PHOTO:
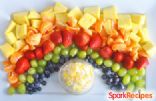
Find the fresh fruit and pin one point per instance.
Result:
(22, 78)
(141, 72)
(22, 65)
(56, 37)
(67, 37)
(133, 71)
(128, 62)
(11, 90)
(122, 72)
(149, 47)
(40, 70)
(60, 8)
(126, 79)
(99, 61)
(48, 46)
(93, 10)
(135, 78)
(138, 19)
(21, 31)
(10, 27)
(21, 89)
(36, 23)
(29, 55)
(31, 71)
(81, 54)
(106, 52)
(12, 77)
(48, 56)
(115, 67)
(42, 63)
(110, 13)
(94, 55)
(108, 63)
(118, 56)
(61, 18)
(34, 39)
(34, 15)
(38, 53)
(89, 51)
(19, 44)
(75, 13)
(124, 21)
(55, 58)
(86, 21)
(95, 42)
(57, 50)
(142, 62)
(34, 63)
(30, 79)
(130, 87)
(65, 52)
(140, 83)
(81, 39)
(73, 52)
(10, 37)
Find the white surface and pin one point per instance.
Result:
(53, 91)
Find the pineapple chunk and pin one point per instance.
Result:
(34, 15)
(7, 50)
(60, 8)
(87, 20)
(143, 34)
(138, 19)
(19, 44)
(10, 37)
(134, 37)
(61, 18)
(135, 28)
(108, 26)
(110, 13)
(75, 13)
(35, 23)
(11, 26)
(21, 17)
(124, 21)
(34, 39)
(94, 10)
(21, 31)
(149, 47)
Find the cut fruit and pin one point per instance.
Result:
(93, 10)
(124, 22)
(11, 26)
(138, 19)
(61, 18)
(110, 13)
(19, 44)
(60, 8)
(34, 39)
(34, 15)
(21, 31)
(76, 13)
(149, 47)
(35, 23)
(10, 37)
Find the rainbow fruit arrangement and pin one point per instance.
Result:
(39, 43)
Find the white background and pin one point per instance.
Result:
(53, 91)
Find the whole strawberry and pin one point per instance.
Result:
(67, 38)
(56, 37)
(95, 41)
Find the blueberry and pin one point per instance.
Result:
(39, 88)
(108, 81)
(108, 72)
(41, 76)
(47, 74)
(121, 86)
(51, 70)
(104, 77)
(113, 87)
(36, 76)
(62, 61)
(66, 58)
(116, 79)
(44, 83)
(90, 60)
(56, 69)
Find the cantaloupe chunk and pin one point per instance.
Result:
(93, 10)
(10, 37)
(7, 50)
(86, 21)
(60, 8)
(75, 13)
(124, 21)
(110, 13)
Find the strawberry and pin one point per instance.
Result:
(128, 62)
(67, 38)
(141, 62)
(48, 46)
(29, 54)
(82, 39)
(95, 42)
(22, 65)
(56, 37)
(118, 56)
(38, 53)
(106, 52)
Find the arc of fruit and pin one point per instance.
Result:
(39, 43)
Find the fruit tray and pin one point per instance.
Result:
(62, 51)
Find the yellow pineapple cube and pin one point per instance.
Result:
(60, 8)
(7, 50)
(143, 34)
(86, 21)
(149, 47)
(75, 13)
(61, 18)
(11, 26)
(19, 44)
(110, 13)
(108, 26)
(93, 10)
(138, 19)
(35, 23)
(10, 37)
(34, 15)
(135, 28)
(124, 21)
(21, 17)
(34, 39)
(21, 31)
(134, 37)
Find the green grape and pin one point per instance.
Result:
(141, 72)
(73, 46)
(40, 70)
(82, 54)
(31, 71)
(108, 63)
(22, 78)
(122, 72)
(89, 51)
(73, 52)
(133, 71)
(11, 90)
(57, 50)
(62, 46)
(140, 83)
(126, 79)
(99, 61)
(48, 56)
(116, 67)
(21, 89)
(131, 87)
(135, 78)
(94, 55)
(34, 63)
(30, 79)
(65, 52)
(55, 58)
(42, 63)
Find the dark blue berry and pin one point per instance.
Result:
(36, 76)
(104, 77)
(44, 83)
(39, 88)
